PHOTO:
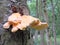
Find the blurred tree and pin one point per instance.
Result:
(36, 15)
(42, 41)
(46, 19)
(53, 22)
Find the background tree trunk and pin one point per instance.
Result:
(53, 22)
(19, 37)
(41, 18)
(48, 37)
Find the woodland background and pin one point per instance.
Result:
(46, 11)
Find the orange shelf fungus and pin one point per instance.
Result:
(22, 22)
(27, 21)
(40, 26)
(14, 20)
(32, 22)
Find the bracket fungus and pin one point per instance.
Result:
(22, 22)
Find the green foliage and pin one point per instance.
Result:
(32, 6)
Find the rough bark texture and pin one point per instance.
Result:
(6, 36)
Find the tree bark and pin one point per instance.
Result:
(41, 16)
(53, 23)
(19, 37)
(42, 37)
(46, 19)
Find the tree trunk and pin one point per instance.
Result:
(41, 16)
(53, 23)
(19, 37)
(46, 19)
(42, 37)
